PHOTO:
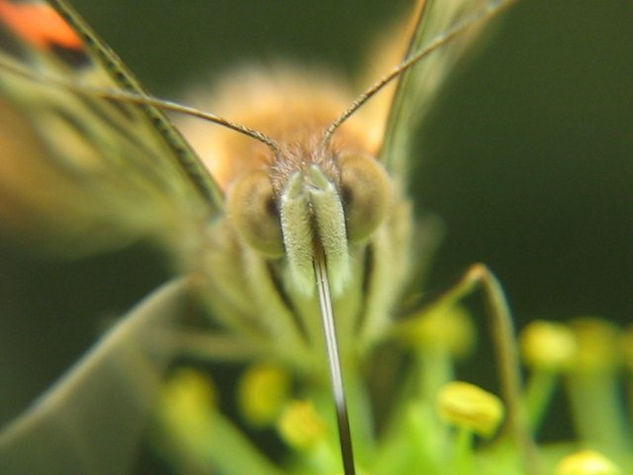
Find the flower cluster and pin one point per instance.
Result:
(411, 415)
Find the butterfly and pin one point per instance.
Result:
(124, 171)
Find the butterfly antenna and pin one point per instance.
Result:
(336, 374)
(167, 105)
(135, 98)
(485, 13)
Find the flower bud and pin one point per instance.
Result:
(448, 327)
(300, 426)
(548, 346)
(597, 344)
(262, 392)
(586, 462)
(188, 399)
(468, 406)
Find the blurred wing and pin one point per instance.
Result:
(90, 422)
(418, 86)
(76, 170)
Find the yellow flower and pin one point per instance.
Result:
(468, 406)
(300, 426)
(597, 343)
(188, 401)
(548, 346)
(586, 462)
(262, 392)
(447, 327)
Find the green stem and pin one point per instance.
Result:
(464, 451)
(435, 369)
(231, 452)
(538, 394)
(597, 410)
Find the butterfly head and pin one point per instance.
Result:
(311, 199)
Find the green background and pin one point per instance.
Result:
(527, 158)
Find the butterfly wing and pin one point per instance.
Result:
(418, 86)
(91, 420)
(79, 173)
(84, 171)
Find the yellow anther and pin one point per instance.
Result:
(548, 346)
(468, 406)
(262, 393)
(300, 426)
(597, 344)
(187, 402)
(586, 462)
(448, 327)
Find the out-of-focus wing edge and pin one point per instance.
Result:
(91, 420)
(417, 88)
(188, 160)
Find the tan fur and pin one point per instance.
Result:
(293, 105)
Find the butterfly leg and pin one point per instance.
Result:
(206, 345)
(479, 277)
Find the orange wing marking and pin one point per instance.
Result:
(39, 25)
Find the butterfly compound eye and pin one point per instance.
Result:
(366, 192)
(252, 209)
